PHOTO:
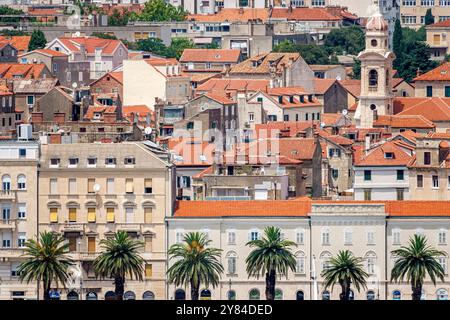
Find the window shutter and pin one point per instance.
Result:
(110, 215)
(91, 214)
(148, 215)
(129, 185)
(148, 270)
(53, 215)
(72, 214)
(91, 183)
(91, 244)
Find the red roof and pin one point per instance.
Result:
(303, 14)
(286, 128)
(220, 98)
(98, 109)
(22, 71)
(52, 53)
(108, 46)
(377, 155)
(222, 85)
(322, 85)
(210, 55)
(440, 73)
(403, 121)
(352, 86)
(440, 24)
(433, 108)
(232, 15)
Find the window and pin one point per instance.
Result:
(91, 215)
(443, 262)
(325, 258)
(110, 216)
(129, 161)
(254, 294)
(370, 262)
(72, 214)
(409, 3)
(109, 185)
(325, 236)
(6, 182)
(427, 3)
(373, 78)
(30, 100)
(409, 19)
(231, 237)
(21, 182)
(400, 194)
(21, 211)
(90, 185)
(190, 125)
(427, 158)
(435, 181)
(231, 262)
(370, 237)
(148, 185)
(334, 173)
(442, 236)
(148, 244)
(72, 186)
(367, 175)
(73, 162)
(92, 162)
(429, 91)
(129, 215)
(148, 271)
(6, 213)
(251, 116)
(400, 175)
(179, 236)
(53, 215)
(419, 181)
(129, 186)
(22, 152)
(300, 236)
(54, 162)
(395, 236)
(53, 186)
(6, 243)
(318, 3)
(91, 244)
(348, 236)
(447, 91)
(231, 295)
(442, 294)
(286, 117)
(254, 235)
(367, 194)
(21, 240)
(300, 262)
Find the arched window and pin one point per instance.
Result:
(6, 182)
(278, 294)
(254, 294)
(370, 295)
(21, 182)
(373, 42)
(72, 295)
(370, 258)
(396, 295)
(373, 78)
(129, 295)
(300, 295)
(231, 262)
(442, 294)
(231, 295)
(110, 295)
(351, 295)
(180, 294)
(326, 295)
(148, 295)
(91, 296)
(325, 260)
(300, 262)
(387, 77)
(205, 294)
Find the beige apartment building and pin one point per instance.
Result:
(18, 219)
(87, 192)
(438, 34)
(320, 230)
(412, 12)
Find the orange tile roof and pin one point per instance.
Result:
(292, 128)
(433, 109)
(220, 98)
(290, 97)
(417, 208)
(299, 149)
(232, 15)
(141, 110)
(352, 86)
(264, 60)
(440, 24)
(161, 61)
(208, 170)
(118, 75)
(322, 85)
(403, 121)
(376, 156)
(303, 14)
(211, 55)
(259, 208)
(24, 71)
(89, 115)
(108, 46)
(21, 42)
(440, 73)
(438, 135)
(234, 85)
(52, 53)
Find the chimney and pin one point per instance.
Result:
(59, 117)
(366, 143)
(109, 117)
(136, 118)
(55, 138)
(37, 117)
(418, 72)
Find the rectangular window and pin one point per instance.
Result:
(442, 237)
(370, 237)
(53, 186)
(91, 244)
(286, 117)
(335, 173)
(429, 91)
(148, 271)
(53, 215)
(110, 215)
(447, 91)
(435, 181)
(148, 185)
(129, 215)
(427, 158)
(395, 236)
(92, 162)
(348, 237)
(30, 100)
(419, 181)
(90, 185)
(400, 175)
(148, 215)
(21, 240)
(72, 214)
(148, 245)
(72, 186)
(21, 211)
(300, 237)
(231, 237)
(110, 186)
(367, 175)
(367, 194)
(72, 244)
(22, 153)
(129, 187)
(400, 194)
(91, 215)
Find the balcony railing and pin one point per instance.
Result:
(8, 194)
(7, 223)
(11, 252)
(88, 256)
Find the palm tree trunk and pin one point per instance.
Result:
(417, 291)
(119, 283)
(345, 294)
(270, 285)
(47, 286)
(194, 290)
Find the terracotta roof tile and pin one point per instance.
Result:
(352, 86)
(108, 46)
(403, 121)
(377, 156)
(440, 73)
(211, 55)
(52, 53)
(222, 85)
(322, 85)
(434, 108)
(260, 64)
(232, 15)
(303, 14)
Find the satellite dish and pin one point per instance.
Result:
(77, 34)
(322, 124)
(338, 78)
(96, 188)
(74, 85)
(344, 112)
(148, 130)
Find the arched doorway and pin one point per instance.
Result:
(254, 294)
(72, 295)
(278, 294)
(129, 295)
(442, 294)
(351, 295)
(148, 295)
(205, 294)
(326, 295)
(180, 294)
(231, 295)
(110, 295)
(91, 296)
(370, 295)
(396, 295)
(300, 295)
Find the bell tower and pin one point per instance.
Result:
(376, 96)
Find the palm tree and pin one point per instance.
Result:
(194, 263)
(271, 256)
(345, 269)
(46, 261)
(119, 258)
(415, 262)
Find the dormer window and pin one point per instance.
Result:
(97, 115)
(291, 99)
(54, 162)
(389, 155)
(73, 162)
(92, 162)
(129, 161)
(110, 161)
(280, 99)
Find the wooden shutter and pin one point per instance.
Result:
(148, 215)
(148, 188)
(91, 214)
(110, 215)
(129, 185)
(53, 215)
(148, 270)
(91, 244)
(148, 244)
(72, 244)
(91, 183)
(72, 214)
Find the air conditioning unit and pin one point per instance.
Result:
(24, 132)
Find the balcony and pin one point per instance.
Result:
(72, 227)
(88, 256)
(8, 194)
(11, 252)
(8, 224)
(129, 227)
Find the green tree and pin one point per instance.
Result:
(348, 40)
(345, 269)
(46, 261)
(356, 70)
(272, 256)
(177, 46)
(103, 35)
(37, 40)
(159, 10)
(416, 261)
(429, 18)
(397, 42)
(153, 45)
(5, 10)
(119, 19)
(119, 258)
(314, 54)
(195, 264)
(286, 46)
